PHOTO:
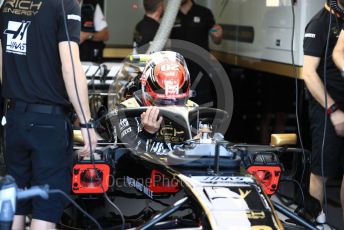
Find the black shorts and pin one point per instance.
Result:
(333, 157)
(39, 152)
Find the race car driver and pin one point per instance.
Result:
(165, 81)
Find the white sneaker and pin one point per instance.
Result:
(321, 219)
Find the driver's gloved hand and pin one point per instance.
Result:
(150, 120)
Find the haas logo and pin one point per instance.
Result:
(16, 37)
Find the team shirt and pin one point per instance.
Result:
(194, 26)
(31, 31)
(315, 45)
(145, 31)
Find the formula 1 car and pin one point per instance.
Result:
(206, 183)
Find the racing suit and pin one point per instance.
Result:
(131, 132)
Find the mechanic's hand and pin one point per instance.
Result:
(216, 33)
(337, 119)
(150, 120)
(85, 151)
(83, 36)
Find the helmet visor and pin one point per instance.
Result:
(166, 102)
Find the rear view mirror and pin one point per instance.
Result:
(77, 137)
(283, 139)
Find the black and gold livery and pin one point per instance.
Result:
(130, 131)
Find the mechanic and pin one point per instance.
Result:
(38, 85)
(338, 116)
(195, 23)
(146, 29)
(94, 31)
(165, 82)
(314, 50)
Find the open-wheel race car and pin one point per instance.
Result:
(203, 182)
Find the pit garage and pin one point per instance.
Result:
(202, 112)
